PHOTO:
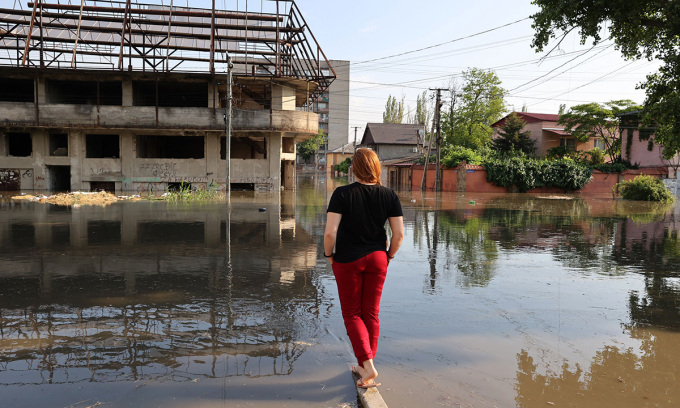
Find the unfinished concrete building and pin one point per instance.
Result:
(126, 96)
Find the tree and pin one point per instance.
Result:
(394, 111)
(640, 28)
(307, 148)
(512, 138)
(600, 121)
(479, 103)
(422, 115)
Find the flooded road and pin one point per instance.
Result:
(493, 301)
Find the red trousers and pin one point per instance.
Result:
(360, 285)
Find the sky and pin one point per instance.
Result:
(458, 35)
(402, 48)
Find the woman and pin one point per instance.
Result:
(355, 227)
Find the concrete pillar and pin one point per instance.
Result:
(3, 143)
(76, 152)
(213, 162)
(213, 98)
(128, 153)
(274, 156)
(38, 141)
(283, 97)
(288, 174)
(42, 91)
(127, 92)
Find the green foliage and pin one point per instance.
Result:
(512, 138)
(641, 29)
(307, 148)
(596, 157)
(394, 111)
(344, 166)
(594, 120)
(185, 193)
(474, 108)
(645, 188)
(527, 173)
(422, 114)
(560, 152)
(619, 167)
(453, 156)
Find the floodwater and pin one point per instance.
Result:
(510, 300)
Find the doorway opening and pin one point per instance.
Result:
(59, 178)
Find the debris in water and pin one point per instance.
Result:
(75, 199)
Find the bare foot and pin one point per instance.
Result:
(368, 373)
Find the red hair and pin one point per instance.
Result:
(366, 165)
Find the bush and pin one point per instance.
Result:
(645, 188)
(616, 167)
(455, 155)
(560, 152)
(344, 166)
(526, 174)
(596, 156)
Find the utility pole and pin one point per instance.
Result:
(355, 138)
(427, 159)
(438, 105)
(227, 123)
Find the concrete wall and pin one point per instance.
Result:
(472, 179)
(130, 173)
(338, 107)
(283, 97)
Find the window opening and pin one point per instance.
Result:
(102, 146)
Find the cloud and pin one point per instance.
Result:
(368, 29)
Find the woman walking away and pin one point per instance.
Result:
(355, 227)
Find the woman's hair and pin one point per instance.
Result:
(366, 165)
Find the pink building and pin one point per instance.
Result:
(547, 133)
(637, 144)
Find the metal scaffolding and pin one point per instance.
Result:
(131, 36)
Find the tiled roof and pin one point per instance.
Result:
(530, 118)
(346, 148)
(560, 132)
(392, 133)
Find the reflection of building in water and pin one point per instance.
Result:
(141, 291)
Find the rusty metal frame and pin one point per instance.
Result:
(103, 33)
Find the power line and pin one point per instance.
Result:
(440, 44)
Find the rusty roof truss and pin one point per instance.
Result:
(130, 36)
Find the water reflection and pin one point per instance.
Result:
(471, 243)
(471, 235)
(148, 291)
(617, 376)
(506, 300)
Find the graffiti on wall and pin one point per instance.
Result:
(161, 170)
(10, 179)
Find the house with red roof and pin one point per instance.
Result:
(547, 133)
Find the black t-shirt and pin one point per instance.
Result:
(364, 209)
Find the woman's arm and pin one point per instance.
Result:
(397, 227)
(329, 236)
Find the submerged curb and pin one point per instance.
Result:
(370, 398)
